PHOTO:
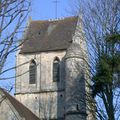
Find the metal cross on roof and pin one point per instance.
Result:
(56, 8)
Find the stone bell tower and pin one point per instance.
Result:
(75, 85)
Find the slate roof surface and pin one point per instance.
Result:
(49, 35)
(20, 108)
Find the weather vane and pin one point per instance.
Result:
(56, 8)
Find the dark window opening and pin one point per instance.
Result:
(32, 72)
(61, 95)
(56, 70)
(77, 107)
(39, 33)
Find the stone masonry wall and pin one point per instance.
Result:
(45, 97)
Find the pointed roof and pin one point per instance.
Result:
(49, 35)
(23, 111)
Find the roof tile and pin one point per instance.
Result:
(49, 35)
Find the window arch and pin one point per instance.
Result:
(56, 69)
(32, 72)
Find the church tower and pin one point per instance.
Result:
(51, 79)
(41, 82)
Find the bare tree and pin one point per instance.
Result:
(12, 19)
(101, 24)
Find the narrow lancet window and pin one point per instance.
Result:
(32, 72)
(56, 70)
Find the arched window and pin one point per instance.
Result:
(56, 70)
(32, 72)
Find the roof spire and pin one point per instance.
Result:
(56, 8)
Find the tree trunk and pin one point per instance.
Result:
(109, 103)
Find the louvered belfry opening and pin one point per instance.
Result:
(56, 70)
(32, 72)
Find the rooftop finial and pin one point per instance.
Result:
(56, 8)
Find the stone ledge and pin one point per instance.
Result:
(76, 112)
(43, 91)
